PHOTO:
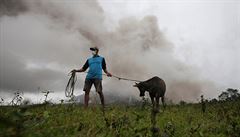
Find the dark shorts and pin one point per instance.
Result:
(96, 82)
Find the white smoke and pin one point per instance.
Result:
(43, 42)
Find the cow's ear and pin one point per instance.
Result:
(136, 84)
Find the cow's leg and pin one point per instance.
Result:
(157, 103)
(153, 102)
(163, 102)
(153, 114)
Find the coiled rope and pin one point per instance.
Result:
(70, 85)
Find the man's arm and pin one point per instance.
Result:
(108, 74)
(104, 66)
(84, 68)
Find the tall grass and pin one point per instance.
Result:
(221, 119)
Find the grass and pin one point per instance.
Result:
(222, 119)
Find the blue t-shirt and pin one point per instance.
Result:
(95, 64)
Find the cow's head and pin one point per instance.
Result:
(141, 88)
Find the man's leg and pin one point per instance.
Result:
(86, 98)
(101, 98)
(87, 88)
(98, 87)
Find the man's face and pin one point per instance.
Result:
(94, 52)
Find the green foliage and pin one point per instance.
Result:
(229, 94)
(220, 119)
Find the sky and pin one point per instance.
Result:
(192, 44)
(204, 33)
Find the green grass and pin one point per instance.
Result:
(220, 120)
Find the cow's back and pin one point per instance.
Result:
(158, 84)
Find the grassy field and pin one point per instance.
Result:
(221, 119)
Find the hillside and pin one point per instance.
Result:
(221, 119)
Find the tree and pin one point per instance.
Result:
(233, 93)
(229, 94)
(223, 96)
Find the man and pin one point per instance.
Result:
(94, 76)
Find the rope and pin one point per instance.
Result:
(70, 85)
(121, 78)
(72, 80)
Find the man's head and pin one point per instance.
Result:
(94, 50)
(141, 88)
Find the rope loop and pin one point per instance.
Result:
(71, 84)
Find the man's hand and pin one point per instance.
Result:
(73, 71)
(77, 70)
(109, 74)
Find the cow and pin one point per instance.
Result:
(156, 88)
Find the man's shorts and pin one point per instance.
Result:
(97, 84)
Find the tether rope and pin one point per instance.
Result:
(121, 78)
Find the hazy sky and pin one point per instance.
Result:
(205, 33)
(194, 44)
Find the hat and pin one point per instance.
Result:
(94, 48)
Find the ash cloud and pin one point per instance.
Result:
(42, 41)
(12, 7)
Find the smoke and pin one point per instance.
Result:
(42, 41)
(12, 7)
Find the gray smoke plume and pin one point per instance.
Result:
(42, 41)
(12, 7)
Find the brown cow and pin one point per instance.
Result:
(156, 88)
